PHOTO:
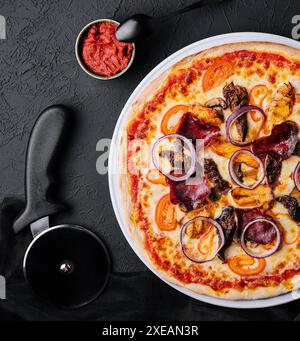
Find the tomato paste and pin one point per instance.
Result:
(102, 53)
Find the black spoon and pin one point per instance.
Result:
(141, 25)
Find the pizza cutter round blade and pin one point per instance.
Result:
(67, 265)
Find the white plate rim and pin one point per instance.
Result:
(113, 178)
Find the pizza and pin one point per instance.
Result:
(210, 171)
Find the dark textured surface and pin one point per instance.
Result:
(149, 300)
(38, 68)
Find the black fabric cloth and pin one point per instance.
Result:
(127, 297)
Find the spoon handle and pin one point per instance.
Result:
(191, 7)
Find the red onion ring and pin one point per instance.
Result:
(269, 252)
(232, 118)
(220, 234)
(296, 177)
(232, 172)
(186, 142)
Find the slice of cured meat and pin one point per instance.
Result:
(192, 128)
(191, 193)
(261, 232)
(281, 142)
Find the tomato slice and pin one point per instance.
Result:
(216, 74)
(165, 214)
(256, 97)
(155, 177)
(171, 119)
(245, 265)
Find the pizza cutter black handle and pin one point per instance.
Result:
(44, 140)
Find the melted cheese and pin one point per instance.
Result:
(285, 180)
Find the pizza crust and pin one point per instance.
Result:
(286, 51)
(147, 93)
(137, 237)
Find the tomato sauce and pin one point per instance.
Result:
(102, 53)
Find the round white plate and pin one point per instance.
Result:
(113, 157)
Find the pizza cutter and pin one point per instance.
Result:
(65, 264)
